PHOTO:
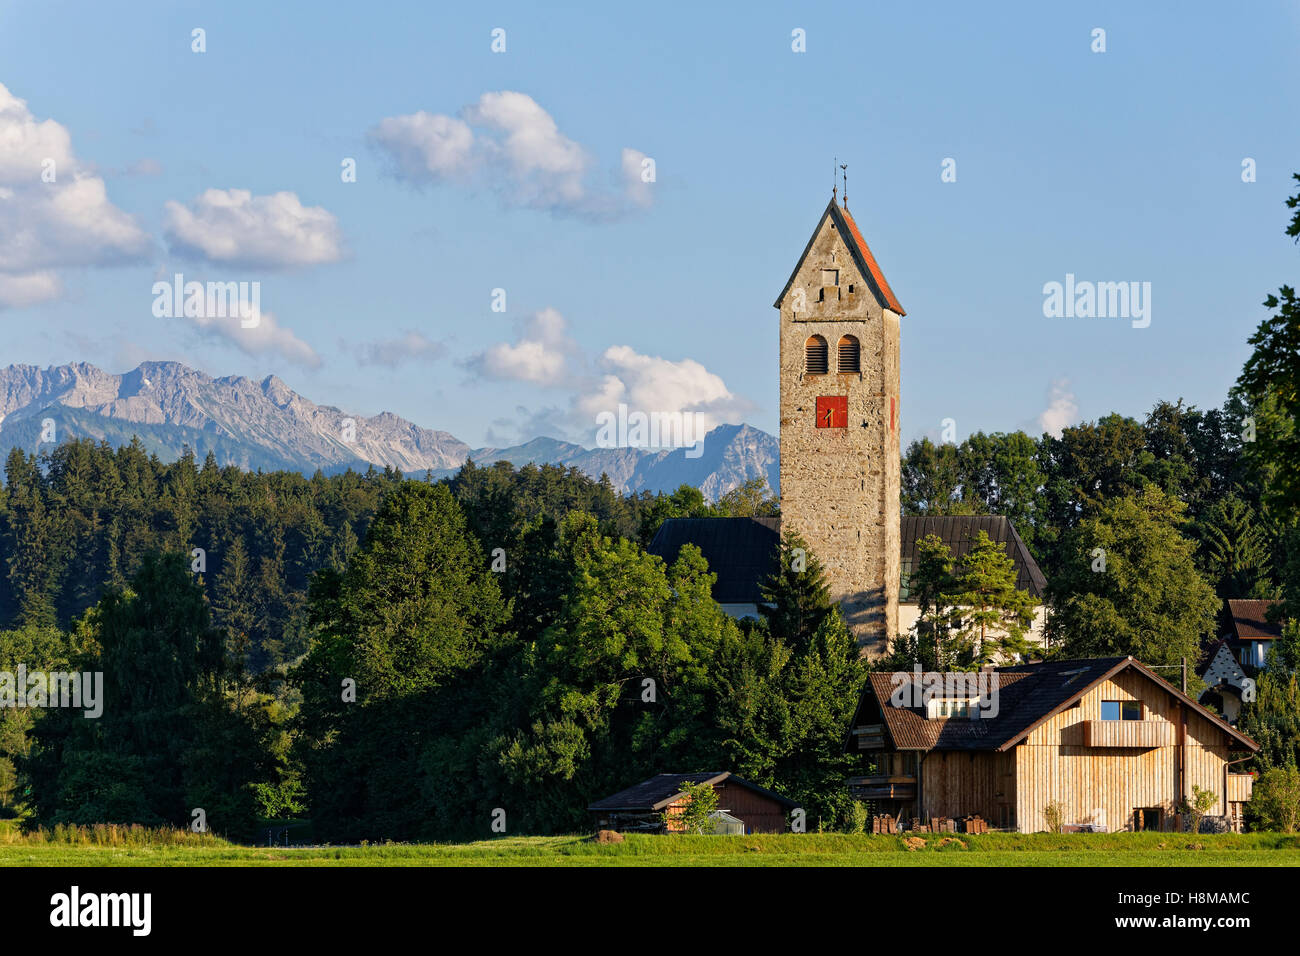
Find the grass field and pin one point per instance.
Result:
(995, 849)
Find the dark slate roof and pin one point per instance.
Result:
(661, 790)
(1249, 621)
(959, 533)
(910, 729)
(740, 551)
(1028, 695)
(866, 262)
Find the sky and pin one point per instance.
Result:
(560, 207)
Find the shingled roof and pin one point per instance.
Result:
(740, 551)
(862, 256)
(1250, 621)
(1028, 695)
(665, 788)
(959, 533)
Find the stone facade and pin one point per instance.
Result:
(840, 485)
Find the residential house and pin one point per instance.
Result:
(1252, 634)
(1225, 682)
(1107, 740)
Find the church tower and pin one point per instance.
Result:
(839, 422)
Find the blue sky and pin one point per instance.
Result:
(479, 171)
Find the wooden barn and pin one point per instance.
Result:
(641, 807)
(1109, 741)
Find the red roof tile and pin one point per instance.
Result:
(872, 266)
(1250, 623)
(861, 253)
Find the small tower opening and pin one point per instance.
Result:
(850, 355)
(816, 359)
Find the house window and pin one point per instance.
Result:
(830, 277)
(1121, 710)
(816, 359)
(849, 355)
(950, 707)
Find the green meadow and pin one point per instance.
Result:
(110, 846)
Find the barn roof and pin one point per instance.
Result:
(1250, 621)
(665, 788)
(740, 551)
(1028, 695)
(862, 257)
(959, 533)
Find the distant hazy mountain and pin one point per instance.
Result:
(267, 425)
(732, 454)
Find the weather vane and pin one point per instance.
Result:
(834, 188)
(844, 168)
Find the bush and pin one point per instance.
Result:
(112, 834)
(1194, 810)
(1275, 802)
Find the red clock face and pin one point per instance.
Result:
(833, 411)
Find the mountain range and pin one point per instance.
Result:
(170, 406)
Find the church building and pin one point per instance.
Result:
(840, 407)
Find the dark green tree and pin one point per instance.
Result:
(1131, 585)
(994, 614)
(168, 742)
(796, 596)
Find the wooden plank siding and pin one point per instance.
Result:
(963, 783)
(1240, 786)
(1103, 786)
(1128, 733)
(760, 814)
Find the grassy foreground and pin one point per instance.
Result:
(994, 849)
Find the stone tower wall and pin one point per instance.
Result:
(840, 486)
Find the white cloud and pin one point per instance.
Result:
(544, 353)
(651, 384)
(411, 346)
(234, 227)
(506, 142)
(540, 354)
(17, 291)
(545, 167)
(1062, 409)
(54, 210)
(425, 147)
(267, 337)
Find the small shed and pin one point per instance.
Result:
(743, 807)
(725, 824)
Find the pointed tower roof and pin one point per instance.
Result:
(861, 252)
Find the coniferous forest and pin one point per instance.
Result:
(391, 657)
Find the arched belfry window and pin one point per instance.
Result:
(816, 360)
(850, 357)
